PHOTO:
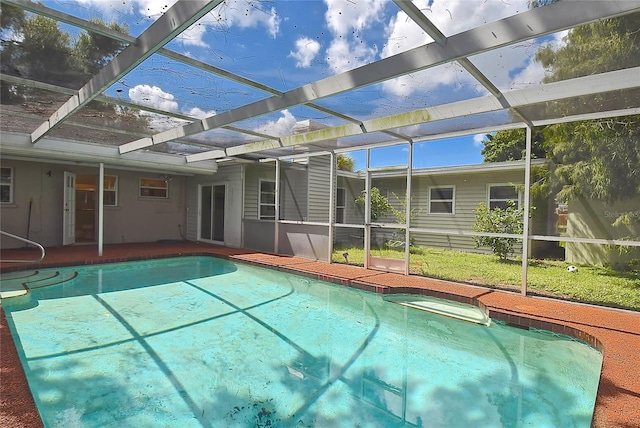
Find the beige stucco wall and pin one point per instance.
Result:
(134, 219)
(594, 219)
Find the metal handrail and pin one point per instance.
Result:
(27, 241)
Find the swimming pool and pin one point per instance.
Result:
(204, 342)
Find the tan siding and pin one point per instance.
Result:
(354, 213)
(319, 185)
(293, 193)
(253, 175)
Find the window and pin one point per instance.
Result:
(500, 194)
(441, 200)
(6, 185)
(341, 200)
(110, 191)
(154, 188)
(267, 200)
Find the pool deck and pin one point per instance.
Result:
(614, 332)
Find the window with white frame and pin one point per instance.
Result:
(110, 191)
(341, 205)
(154, 188)
(6, 185)
(267, 200)
(501, 194)
(442, 200)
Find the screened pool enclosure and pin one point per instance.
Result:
(326, 129)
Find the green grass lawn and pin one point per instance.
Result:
(590, 284)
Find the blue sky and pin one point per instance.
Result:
(288, 44)
(435, 153)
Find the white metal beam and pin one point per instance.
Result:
(173, 22)
(125, 38)
(51, 149)
(588, 85)
(524, 26)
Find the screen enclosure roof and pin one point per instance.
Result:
(194, 83)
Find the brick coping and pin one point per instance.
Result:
(615, 333)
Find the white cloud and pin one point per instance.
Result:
(152, 8)
(452, 17)
(280, 127)
(199, 113)
(194, 36)
(110, 9)
(231, 13)
(153, 96)
(245, 14)
(478, 139)
(343, 16)
(347, 20)
(343, 56)
(306, 50)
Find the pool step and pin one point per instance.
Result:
(14, 284)
(449, 308)
(57, 278)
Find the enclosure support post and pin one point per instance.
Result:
(367, 212)
(527, 209)
(101, 209)
(276, 228)
(407, 198)
(332, 203)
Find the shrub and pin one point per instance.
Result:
(498, 220)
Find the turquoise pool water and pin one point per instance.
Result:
(203, 342)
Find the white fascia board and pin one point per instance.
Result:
(63, 150)
(465, 169)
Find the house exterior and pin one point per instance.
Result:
(235, 206)
(139, 206)
(593, 219)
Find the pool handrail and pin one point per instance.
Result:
(27, 241)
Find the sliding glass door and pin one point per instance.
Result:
(212, 204)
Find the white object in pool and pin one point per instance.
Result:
(449, 308)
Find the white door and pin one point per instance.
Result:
(69, 210)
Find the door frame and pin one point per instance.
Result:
(69, 209)
(199, 216)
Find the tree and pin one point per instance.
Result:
(345, 162)
(45, 50)
(12, 20)
(93, 51)
(510, 145)
(597, 158)
(36, 48)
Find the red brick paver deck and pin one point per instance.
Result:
(615, 332)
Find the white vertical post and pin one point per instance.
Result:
(367, 212)
(276, 228)
(407, 237)
(332, 203)
(101, 209)
(527, 204)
